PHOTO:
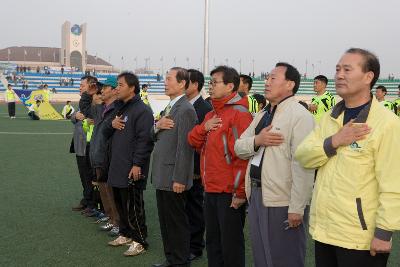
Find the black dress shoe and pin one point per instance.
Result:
(193, 257)
(164, 264)
(79, 207)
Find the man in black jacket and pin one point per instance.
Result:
(195, 197)
(103, 113)
(131, 147)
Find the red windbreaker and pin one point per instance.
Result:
(221, 169)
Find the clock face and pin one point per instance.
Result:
(75, 43)
(76, 30)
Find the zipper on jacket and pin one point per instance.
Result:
(204, 162)
(226, 149)
(361, 214)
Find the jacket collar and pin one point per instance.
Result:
(235, 99)
(281, 104)
(179, 102)
(362, 116)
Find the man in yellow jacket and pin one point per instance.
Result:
(356, 200)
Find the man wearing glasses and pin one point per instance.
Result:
(222, 171)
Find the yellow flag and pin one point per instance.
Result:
(46, 110)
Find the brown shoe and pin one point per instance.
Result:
(120, 241)
(78, 208)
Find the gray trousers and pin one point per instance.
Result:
(272, 245)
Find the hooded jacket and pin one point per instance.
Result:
(221, 170)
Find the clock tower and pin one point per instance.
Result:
(73, 46)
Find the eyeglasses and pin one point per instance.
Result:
(212, 83)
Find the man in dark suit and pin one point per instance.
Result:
(195, 197)
(172, 169)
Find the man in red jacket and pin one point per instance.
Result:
(222, 172)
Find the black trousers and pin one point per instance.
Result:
(224, 231)
(33, 115)
(132, 217)
(86, 175)
(332, 256)
(195, 213)
(68, 115)
(174, 225)
(11, 109)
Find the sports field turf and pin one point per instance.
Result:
(39, 184)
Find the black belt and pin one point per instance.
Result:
(196, 176)
(255, 183)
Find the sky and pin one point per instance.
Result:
(310, 34)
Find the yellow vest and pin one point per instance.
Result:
(144, 97)
(88, 129)
(10, 95)
(253, 104)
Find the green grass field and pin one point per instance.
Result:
(39, 183)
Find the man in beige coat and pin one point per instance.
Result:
(277, 187)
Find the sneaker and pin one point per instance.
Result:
(114, 231)
(134, 249)
(103, 220)
(120, 241)
(100, 215)
(106, 227)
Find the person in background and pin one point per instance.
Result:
(246, 82)
(34, 110)
(144, 95)
(67, 110)
(380, 94)
(396, 103)
(195, 196)
(260, 100)
(79, 147)
(323, 101)
(9, 96)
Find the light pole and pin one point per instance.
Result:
(162, 65)
(240, 66)
(206, 41)
(187, 61)
(319, 67)
(306, 68)
(253, 65)
(146, 64)
(135, 59)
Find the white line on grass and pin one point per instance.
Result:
(23, 133)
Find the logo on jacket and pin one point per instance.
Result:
(125, 118)
(355, 146)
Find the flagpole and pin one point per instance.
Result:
(206, 40)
